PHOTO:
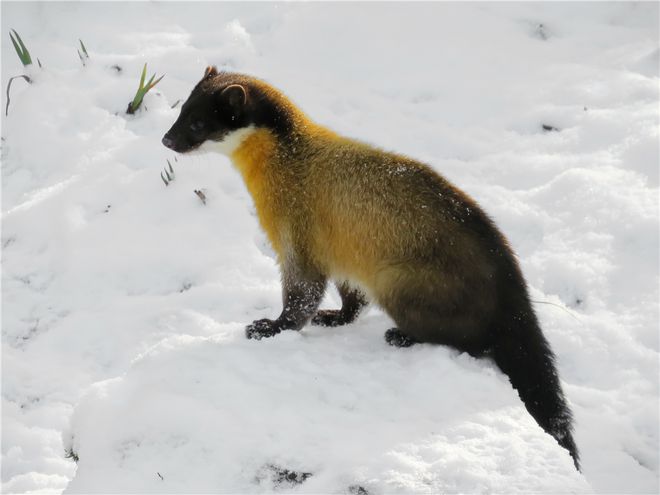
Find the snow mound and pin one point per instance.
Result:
(210, 414)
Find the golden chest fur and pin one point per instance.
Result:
(253, 159)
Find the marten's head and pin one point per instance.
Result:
(223, 109)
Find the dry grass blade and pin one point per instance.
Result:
(11, 79)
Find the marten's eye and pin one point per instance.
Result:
(197, 126)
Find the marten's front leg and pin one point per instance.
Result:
(352, 303)
(302, 291)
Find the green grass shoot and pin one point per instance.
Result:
(169, 174)
(142, 90)
(20, 48)
(83, 54)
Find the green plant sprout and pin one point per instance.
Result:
(20, 48)
(71, 454)
(142, 90)
(25, 58)
(200, 194)
(169, 178)
(83, 55)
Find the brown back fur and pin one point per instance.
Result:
(381, 220)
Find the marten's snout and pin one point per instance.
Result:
(168, 142)
(172, 141)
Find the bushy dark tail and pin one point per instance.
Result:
(524, 355)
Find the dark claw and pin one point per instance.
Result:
(262, 328)
(395, 338)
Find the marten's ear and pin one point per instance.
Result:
(235, 96)
(210, 71)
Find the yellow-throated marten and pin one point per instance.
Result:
(381, 226)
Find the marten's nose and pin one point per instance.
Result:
(168, 142)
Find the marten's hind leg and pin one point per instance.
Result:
(425, 316)
(458, 333)
(352, 303)
(397, 338)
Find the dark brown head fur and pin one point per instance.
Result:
(223, 102)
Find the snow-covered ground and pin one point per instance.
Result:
(124, 301)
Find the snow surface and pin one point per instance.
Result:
(124, 301)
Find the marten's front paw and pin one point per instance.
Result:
(329, 318)
(262, 328)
